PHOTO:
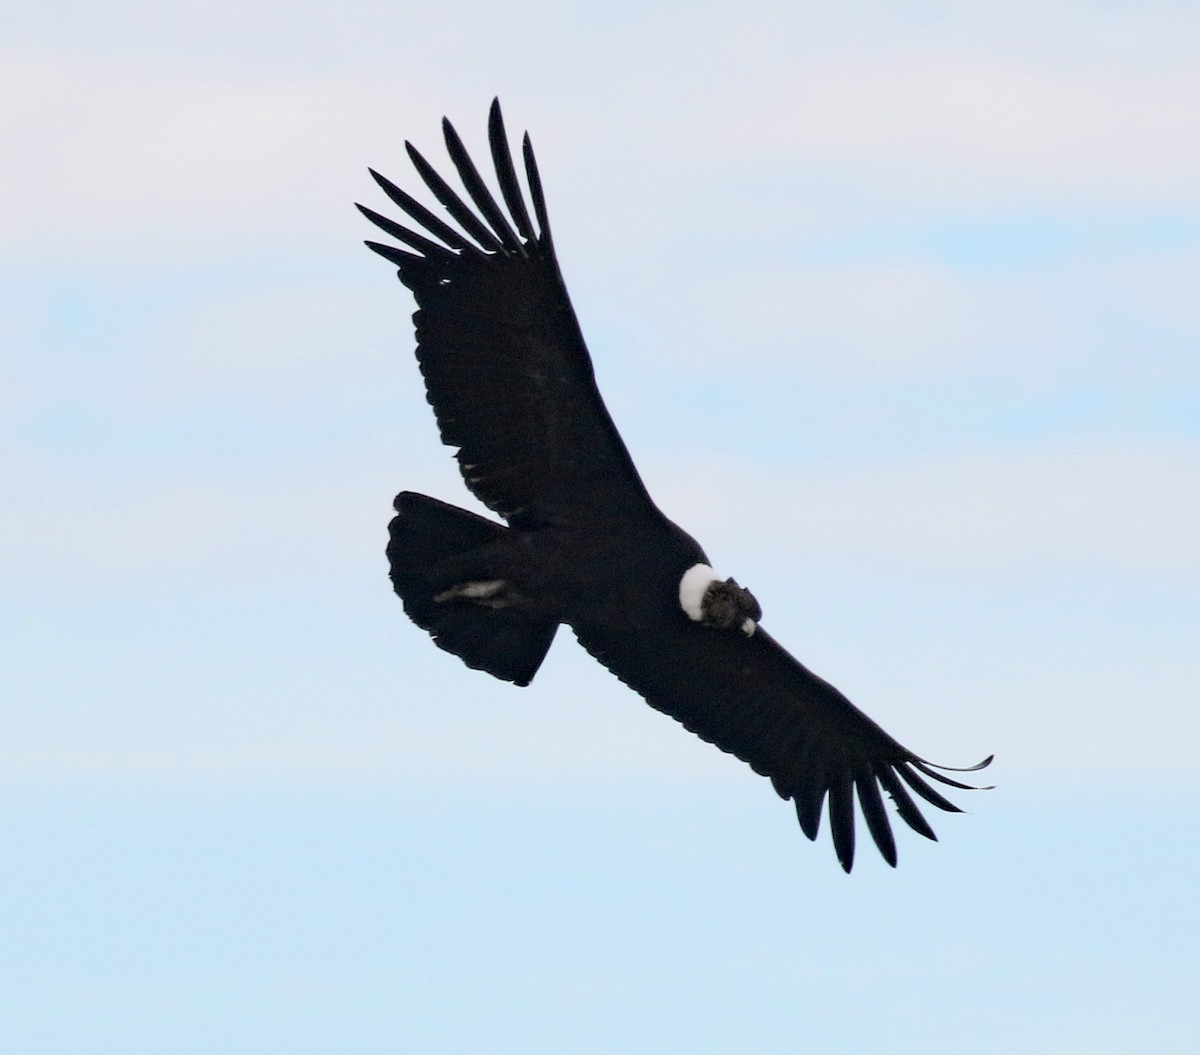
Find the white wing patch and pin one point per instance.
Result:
(692, 586)
(473, 591)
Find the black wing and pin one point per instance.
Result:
(749, 697)
(505, 365)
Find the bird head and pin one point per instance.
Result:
(726, 605)
(723, 605)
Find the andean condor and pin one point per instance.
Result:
(511, 384)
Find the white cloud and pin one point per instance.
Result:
(884, 318)
(127, 160)
(126, 155)
(977, 130)
(1105, 506)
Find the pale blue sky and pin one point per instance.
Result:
(896, 306)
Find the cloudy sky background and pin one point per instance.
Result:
(896, 307)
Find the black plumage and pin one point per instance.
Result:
(511, 384)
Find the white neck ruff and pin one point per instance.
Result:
(692, 588)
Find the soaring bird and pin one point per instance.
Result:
(512, 387)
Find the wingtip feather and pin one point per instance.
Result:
(450, 200)
(478, 190)
(871, 803)
(535, 188)
(903, 801)
(926, 792)
(393, 255)
(960, 769)
(506, 173)
(841, 821)
(808, 812)
(930, 771)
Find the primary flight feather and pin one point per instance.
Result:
(510, 381)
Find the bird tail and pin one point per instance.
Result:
(439, 569)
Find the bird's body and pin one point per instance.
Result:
(511, 383)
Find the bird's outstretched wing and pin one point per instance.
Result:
(749, 697)
(505, 365)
